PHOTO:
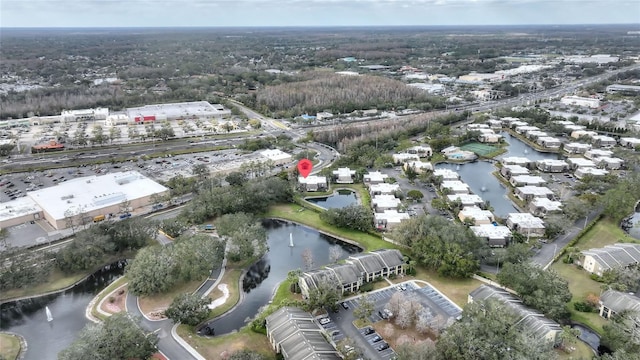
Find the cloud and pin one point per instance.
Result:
(71, 13)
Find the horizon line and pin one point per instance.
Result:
(309, 26)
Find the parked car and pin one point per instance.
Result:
(344, 305)
(383, 346)
(376, 338)
(324, 321)
(368, 331)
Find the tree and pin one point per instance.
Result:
(151, 271)
(449, 248)
(622, 332)
(114, 133)
(395, 302)
(247, 238)
(541, 289)
(335, 253)
(490, 331)
(364, 309)
(118, 337)
(190, 309)
(236, 178)
(326, 295)
(415, 195)
(517, 253)
(201, 171)
(356, 217)
(568, 336)
(173, 227)
(307, 258)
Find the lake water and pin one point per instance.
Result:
(46, 339)
(478, 175)
(263, 278)
(340, 199)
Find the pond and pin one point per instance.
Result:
(631, 224)
(341, 198)
(262, 278)
(478, 175)
(45, 339)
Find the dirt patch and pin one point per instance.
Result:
(114, 303)
(395, 336)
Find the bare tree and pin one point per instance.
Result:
(423, 320)
(404, 316)
(395, 302)
(335, 253)
(307, 258)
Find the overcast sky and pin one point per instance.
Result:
(169, 13)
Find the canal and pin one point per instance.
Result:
(479, 175)
(45, 339)
(263, 277)
(341, 198)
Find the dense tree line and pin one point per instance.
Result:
(247, 238)
(23, 268)
(540, 289)
(118, 337)
(442, 245)
(253, 197)
(356, 217)
(95, 245)
(619, 201)
(339, 94)
(156, 269)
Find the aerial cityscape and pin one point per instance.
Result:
(282, 183)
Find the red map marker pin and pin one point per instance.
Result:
(304, 167)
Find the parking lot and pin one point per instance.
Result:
(341, 324)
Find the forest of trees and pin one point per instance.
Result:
(340, 94)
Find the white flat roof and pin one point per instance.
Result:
(384, 188)
(376, 176)
(630, 140)
(18, 207)
(476, 213)
(344, 172)
(275, 154)
(580, 162)
(175, 110)
(578, 145)
(387, 201)
(455, 185)
(391, 216)
(466, 198)
(526, 219)
(491, 231)
(553, 162)
(91, 193)
(529, 179)
(535, 190)
(516, 169)
(591, 171)
(547, 204)
(312, 179)
(515, 160)
(405, 156)
(599, 153)
(447, 174)
(420, 165)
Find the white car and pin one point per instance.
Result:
(324, 321)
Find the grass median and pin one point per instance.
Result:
(9, 346)
(310, 218)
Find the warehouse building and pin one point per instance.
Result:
(201, 110)
(95, 198)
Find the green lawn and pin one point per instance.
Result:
(299, 214)
(57, 281)
(455, 289)
(582, 352)
(217, 347)
(605, 232)
(580, 285)
(9, 346)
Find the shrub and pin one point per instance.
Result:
(583, 307)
